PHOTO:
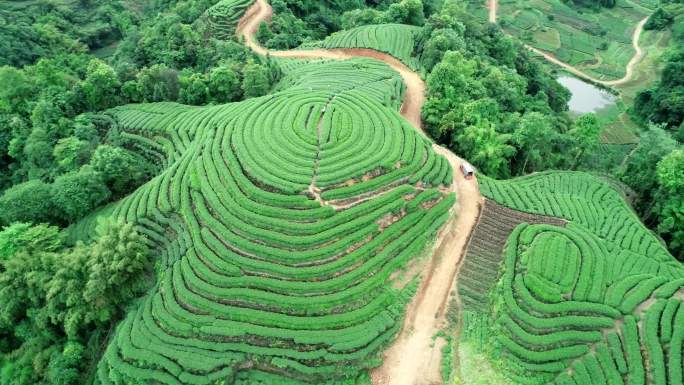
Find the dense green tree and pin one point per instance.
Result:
(659, 20)
(158, 83)
(638, 170)
(670, 201)
(25, 237)
(38, 153)
(121, 170)
(117, 266)
(16, 90)
(481, 144)
(587, 133)
(664, 102)
(359, 17)
(224, 85)
(53, 299)
(193, 89)
(77, 193)
(71, 153)
(463, 93)
(406, 12)
(535, 139)
(264, 32)
(101, 86)
(27, 202)
(256, 80)
(441, 41)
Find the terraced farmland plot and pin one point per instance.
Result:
(574, 309)
(594, 302)
(397, 40)
(598, 43)
(586, 201)
(480, 270)
(279, 222)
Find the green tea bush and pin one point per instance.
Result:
(280, 222)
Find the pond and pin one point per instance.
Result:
(585, 96)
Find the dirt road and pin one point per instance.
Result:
(415, 87)
(493, 6)
(414, 359)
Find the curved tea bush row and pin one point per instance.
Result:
(562, 317)
(372, 78)
(280, 222)
(480, 270)
(397, 40)
(592, 203)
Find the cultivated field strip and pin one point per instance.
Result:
(569, 313)
(397, 40)
(482, 265)
(278, 222)
(586, 201)
(596, 301)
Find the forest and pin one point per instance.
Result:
(70, 69)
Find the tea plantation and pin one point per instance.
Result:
(594, 299)
(279, 221)
(397, 40)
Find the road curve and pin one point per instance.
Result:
(415, 86)
(414, 358)
(493, 6)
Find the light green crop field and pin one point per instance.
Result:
(278, 222)
(597, 42)
(581, 293)
(619, 128)
(394, 39)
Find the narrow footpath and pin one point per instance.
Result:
(414, 358)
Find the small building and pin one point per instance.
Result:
(468, 170)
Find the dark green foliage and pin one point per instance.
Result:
(405, 12)
(224, 85)
(638, 170)
(30, 30)
(669, 206)
(660, 19)
(121, 170)
(77, 193)
(71, 153)
(490, 102)
(653, 170)
(664, 102)
(52, 298)
(27, 202)
(255, 82)
(164, 55)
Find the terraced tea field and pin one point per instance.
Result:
(289, 230)
(480, 271)
(396, 40)
(596, 300)
(280, 221)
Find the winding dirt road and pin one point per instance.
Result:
(414, 358)
(493, 6)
